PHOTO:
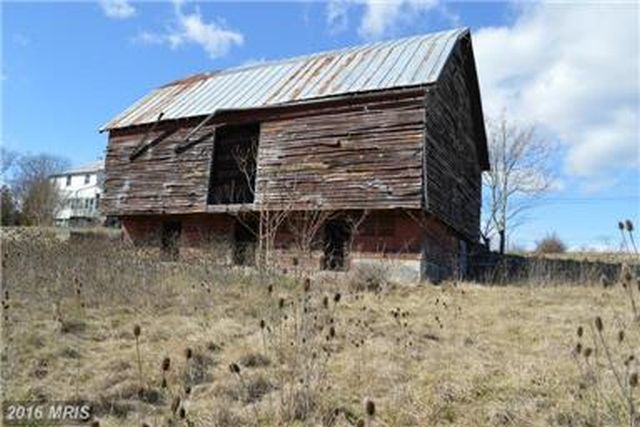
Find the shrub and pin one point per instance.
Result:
(368, 277)
(551, 244)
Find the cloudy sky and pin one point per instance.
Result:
(572, 69)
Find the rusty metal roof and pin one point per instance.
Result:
(398, 63)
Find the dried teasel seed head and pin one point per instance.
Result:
(307, 284)
(270, 289)
(182, 413)
(633, 379)
(621, 225)
(332, 332)
(360, 423)
(187, 389)
(175, 404)
(136, 330)
(294, 261)
(578, 348)
(587, 352)
(234, 368)
(166, 364)
(336, 297)
(188, 353)
(599, 324)
(164, 383)
(629, 225)
(620, 335)
(281, 303)
(325, 302)
(580, 331)
(262, 324)
(370, 408)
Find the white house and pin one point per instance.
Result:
(81, 189)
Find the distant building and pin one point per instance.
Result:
(81, 190)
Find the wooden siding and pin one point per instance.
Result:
(359, 153)
(158, 180)
(367, 155)
(454, 141)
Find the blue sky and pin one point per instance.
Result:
(67, 68)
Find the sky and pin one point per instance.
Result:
(570, 69)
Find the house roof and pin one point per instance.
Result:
(92, 167)
(406, 62)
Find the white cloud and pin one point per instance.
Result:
(190, 28)
(118, 9)
(379, 17)
(337, 15)
(572, 68)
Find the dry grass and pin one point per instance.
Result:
(270, 351)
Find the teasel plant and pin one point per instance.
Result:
(628, 225)
(611, 352)
(137, 330)
(236, 371)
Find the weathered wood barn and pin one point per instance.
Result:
(380, 146)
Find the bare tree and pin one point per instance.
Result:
(520, 172)
(37, 194)
(270, 216)
(353, 223)
(305, 226)
(7, 160)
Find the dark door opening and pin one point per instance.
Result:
(169, 240)
(233, 165)
(336, 236)
(245, 241)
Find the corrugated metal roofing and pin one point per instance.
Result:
(398, 63)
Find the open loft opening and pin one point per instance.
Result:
(233, 165)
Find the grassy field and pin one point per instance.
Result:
(231, 348)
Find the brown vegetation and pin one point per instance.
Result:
(203, 345)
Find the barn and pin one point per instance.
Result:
(368, 154)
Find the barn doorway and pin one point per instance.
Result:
(169, 240)
(336, 236)
(245, 242)
(233, 165)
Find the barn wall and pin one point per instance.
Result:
(197, 229)
(364, 152)
(365, 155)
(408, 243)
(158, 180)
(453, 145)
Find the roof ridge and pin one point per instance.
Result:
(342, 50)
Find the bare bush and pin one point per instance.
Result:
(372, 277)
(551, 244)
